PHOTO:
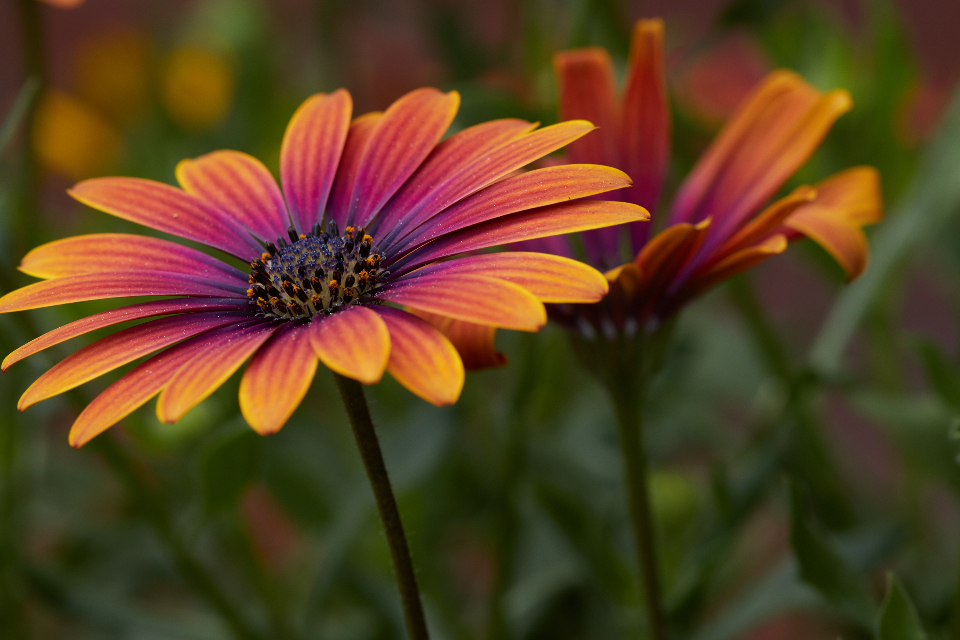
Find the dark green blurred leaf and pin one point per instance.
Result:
(825, 570)
(227, 467)
(898, 617)
(18, 112)
(943, 376)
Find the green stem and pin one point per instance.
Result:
(156, 513)
(628, 401)
(366, 436)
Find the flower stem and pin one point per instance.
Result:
(628, 401)
(366, 436)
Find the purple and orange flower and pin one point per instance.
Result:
(373, 219)
(720, 222)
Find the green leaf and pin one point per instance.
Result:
(825, 570)
(18, 112)
(898, 617)
(227, 467)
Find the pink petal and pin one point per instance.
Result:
(238, 183)
(411, 127)
(168, 209)
(310, 154)
(277, 378)
(120, 348)
(586, 84)
(114, 252)
(209, 368)
(116, 316)
(469, 297)
(518, 193)
(354, 343)
(101, 286)
(361, 129)
(421, 358)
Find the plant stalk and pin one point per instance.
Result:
(628, 400)
(366, 436)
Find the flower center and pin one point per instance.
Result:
(316, 274)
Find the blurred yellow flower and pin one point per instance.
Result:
(72, 138)
(113, 73)
(63, 4)
(197, 87)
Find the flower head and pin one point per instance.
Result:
(372, 216)
(720, 221)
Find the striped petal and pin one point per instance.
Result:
(239, 183)
(440, 171)
(587, 88)
(519, 193)
(208, 369)
(662, 261)
(141, 383)
(113, 252)
(491, 167)
(568, 217)
(845, 202)
(101, 286)
(730, 266)
(358, 136)
(769, 222)
(421, 358)
(277, 378)
(119, 349)
(168, 209)
(411, 127)
(767, 140)
(354, 342)
(469, 297)
(476, 344)
(550, 278)
(645, 132)
(310, 154)
(116, 316)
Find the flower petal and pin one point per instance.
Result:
(528, 190)
(361, 129)
(168, 209)
(475, 343)
(469, 297)
(239, 183)
(663, 261)
(101, 286)
(767, 223)
(310, 154)
(844, 203)
(277, 378)
(141, 383)
(772, 134)
(730, 266)
(113, 252)
(411, 127)
(550, 278)
(442, 170)
(587, 88)
(209, 368)
(645, 131)
(492, 166)
(567, 217)
(116, 316)
(421, 358)
(354, 343)
(118, 349)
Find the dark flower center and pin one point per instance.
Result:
(316, 273)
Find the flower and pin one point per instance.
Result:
(372, 216)
(716, 225)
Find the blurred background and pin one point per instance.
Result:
(796, 416)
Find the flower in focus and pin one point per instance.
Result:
(197, 87)
(372, 219)
(72, 138)
(716, 225)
